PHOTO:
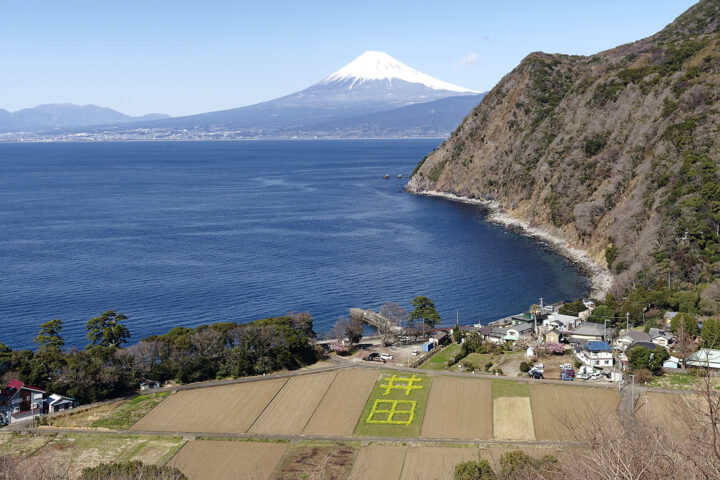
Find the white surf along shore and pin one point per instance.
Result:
(600, 278)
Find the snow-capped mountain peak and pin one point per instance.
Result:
(380, 66)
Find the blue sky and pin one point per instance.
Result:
(184, 57)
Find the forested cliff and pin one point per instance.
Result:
(617, 153)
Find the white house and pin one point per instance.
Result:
(562, 323)
(704, 358)
(595, 354)
(516, 332)
(58, 403)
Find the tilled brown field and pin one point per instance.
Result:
(228, 460)
(293, 406)
(376, 462)
(423, 463)
(673, 412)
(559, 411)
(340, 408)
(226, 409)
(459, 408)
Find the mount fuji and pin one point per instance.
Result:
(375, 95)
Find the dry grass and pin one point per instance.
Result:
(376, 462)
(317, 461)
(556, 407)
(84, 418)
(338, 412)
(79, 451)
(459, 408)
(513, 419)
(435, 462)
(228, 460)
(293, 406)
(226, 409)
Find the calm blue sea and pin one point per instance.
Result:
(187, 233)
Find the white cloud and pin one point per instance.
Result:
(469, 59)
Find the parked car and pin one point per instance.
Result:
(535, 374)
(386, 356)
(416, 352)
(539, 365)
(583, 376)
(374, 357)
(596, 375)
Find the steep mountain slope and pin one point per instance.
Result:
(63, 115)
(617, 152)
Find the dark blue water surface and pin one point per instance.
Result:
(189, 233)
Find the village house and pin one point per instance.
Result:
(58, 403)
(662, 337)
(516, 332)
(562, 323)
(704, 358)
(553, 336)
(438, 337)
(595, 354)
(20, 402)
(588, 332)
(493, 334)
(630, 337)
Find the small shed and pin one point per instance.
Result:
(58, 403)
(149, 385)
(428, 346)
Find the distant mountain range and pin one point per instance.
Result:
(64, 115)
(373, 96)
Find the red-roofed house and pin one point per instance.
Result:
(19, 401)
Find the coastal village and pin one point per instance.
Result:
(562, 341)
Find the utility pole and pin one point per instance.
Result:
(632, 395)
(605, 330)
(627, 321)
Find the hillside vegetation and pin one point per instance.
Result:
(616, 152)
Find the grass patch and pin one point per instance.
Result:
(410, 412)
(477, 361)
(247, 439)
(129, 412)
(507, 388)
(439, 360)
(681, 381)
(22, 444)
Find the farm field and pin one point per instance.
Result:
(225, 409)
(317, 460)
(292, 407)
(379, 461)
(228, 460)
(396, 406)
(557, 410)
(343, 403)
(22, 445)
(435, 462)
(440, 359)
(512, 412)
(673, 412)
(73, 452)
(459, 408)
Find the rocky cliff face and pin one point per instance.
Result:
(617, 152)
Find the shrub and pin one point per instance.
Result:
(131, 471)
(524, 367)
(643, 375)
(578, 364)
(488, 366)
(474, 470)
